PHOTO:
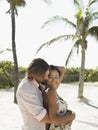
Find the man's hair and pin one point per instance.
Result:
(37, 67)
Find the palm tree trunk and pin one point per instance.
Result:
(81, 77)
(16, 77)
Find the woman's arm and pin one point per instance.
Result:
(52, 99)
(62, 71)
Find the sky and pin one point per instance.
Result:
(30, 35)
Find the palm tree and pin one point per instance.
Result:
(48, 1)
(13, 11)
(83, 27)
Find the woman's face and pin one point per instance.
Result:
(53, 80)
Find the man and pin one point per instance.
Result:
(29, 97)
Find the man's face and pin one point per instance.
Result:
(45, 77)
(42, 78)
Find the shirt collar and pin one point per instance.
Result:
(35, 83)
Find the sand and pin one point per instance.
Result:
(86, 110)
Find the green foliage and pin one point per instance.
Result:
(22, 71)
(72, 75)
(7, 72)
(91, 75)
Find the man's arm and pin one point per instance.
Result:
(46, 119)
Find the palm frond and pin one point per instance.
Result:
(4, 50)
(49, 2)
(51, 20)
(1, 51)
(69, 55)
(91, 2)
(20, 2)
(79, 4)
(63, 37)
(78, 42)
(75, 45)
(94, 15)
(79, 14)
(57, 19)
(69, 22)
(17, 2)
(93, 31)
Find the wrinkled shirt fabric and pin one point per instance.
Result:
(30, 102)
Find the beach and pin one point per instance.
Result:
(86, 109)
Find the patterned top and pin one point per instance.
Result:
(62, 109)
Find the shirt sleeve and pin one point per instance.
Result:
(32, 102)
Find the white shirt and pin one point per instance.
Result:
(30, 102)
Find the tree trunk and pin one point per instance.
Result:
(82, 69)
(16, 73)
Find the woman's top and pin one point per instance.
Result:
(62, 109)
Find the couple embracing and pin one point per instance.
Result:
(40, 105)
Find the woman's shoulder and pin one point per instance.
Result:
(50, 92)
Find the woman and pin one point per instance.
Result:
(54, 104)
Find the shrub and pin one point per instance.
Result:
(7, 72)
